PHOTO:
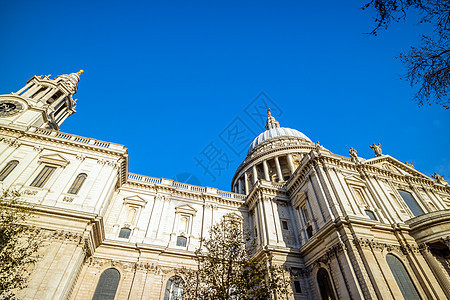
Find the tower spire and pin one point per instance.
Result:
(70, 81)
(271, 122)
(50, 99)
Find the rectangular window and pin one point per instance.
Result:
(305, 214)
(125, 233)
(8, 169)
(309, 231)
(43, 176)
(297, 286)
(181, 241)
(284, 224)
(371, 214)
(411, 202)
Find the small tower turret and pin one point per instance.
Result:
(43, 102)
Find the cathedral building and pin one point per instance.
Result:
(345, 227)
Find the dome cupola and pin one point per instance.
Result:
(274, 155)
(274, 131)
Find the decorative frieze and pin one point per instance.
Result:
(68, 199)
(38, 148)
(67, 236)
(150, 267)
(30, 192)
(299, 272)
(366, 243)
(11, 142)
(330, 253)
(106, 162)
(81, 157)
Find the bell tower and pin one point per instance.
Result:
(43, 102)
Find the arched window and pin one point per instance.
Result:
(76, 185)
(411, 202)
(402, 278)
(174, 288)
(326, 290)
(8, 169)
(125, 233)
(107, 285)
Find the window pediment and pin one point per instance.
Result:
(135, 200)
(354, 180)
(54, 159)
(186, 209)
(299, 199)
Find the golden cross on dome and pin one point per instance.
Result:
(80, 72)
(268, 112)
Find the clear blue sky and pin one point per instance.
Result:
(171, 79)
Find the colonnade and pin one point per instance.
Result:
(275, 168)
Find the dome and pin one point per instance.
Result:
(276, 133)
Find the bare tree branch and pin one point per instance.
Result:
(428, 65)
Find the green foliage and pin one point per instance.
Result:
(427, 65)
(18, 244)
(229, 268)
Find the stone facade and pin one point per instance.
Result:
(336, 223)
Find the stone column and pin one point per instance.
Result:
(255, 174)
(261, 220)
(436, 268)
(246, 183)
(290, 163)
(266, 170)
(277, 165)
(59, 99)
(302, 226)
(31, 91)
(24, 88)
(239, 185)
(269, 220)
(291, 216)
(49, 94)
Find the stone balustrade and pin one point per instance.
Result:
(75, 138)
(184, 186)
